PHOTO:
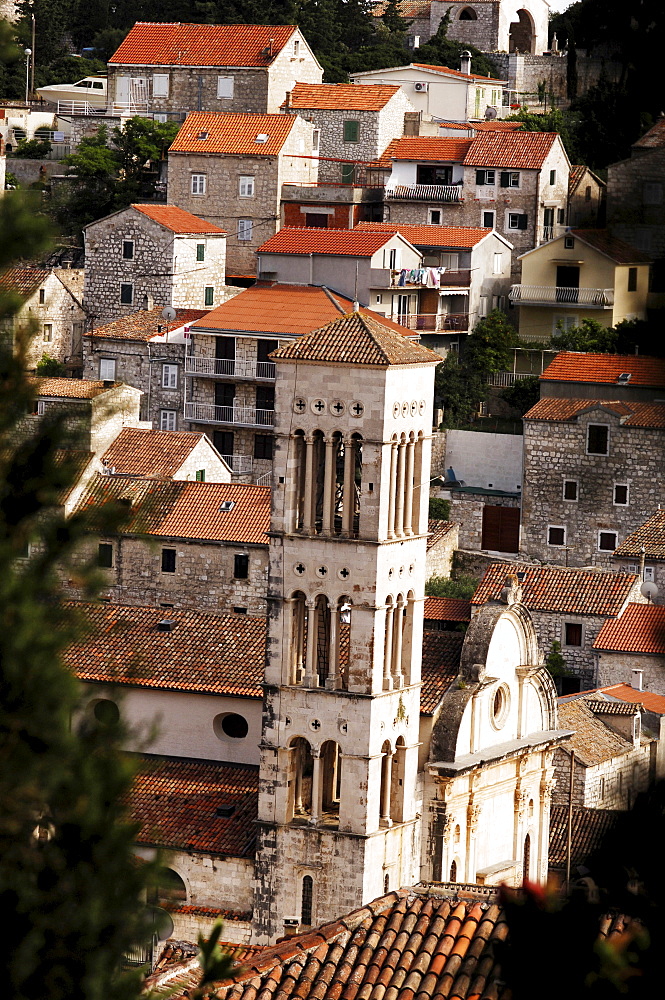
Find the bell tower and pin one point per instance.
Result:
(339, 796)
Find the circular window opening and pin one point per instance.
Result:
(106, 712)
(230, 726)
(500, 705)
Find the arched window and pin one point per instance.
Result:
(467, 14)
(298, 638)
(386, 784)
(167, 887)
(521, 33)
(300, 779)
(453, 872)
(298, 482)
(306, 899)
(331, 781)
(526, 864)
(397, 782)
(322, 638)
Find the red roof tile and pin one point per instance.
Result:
(593, 742)
(610, 246)
(639, 629)
(654, 138)
(604, 369)
(176, 801)
(651, 535)
(68, 388)
(232, 134)
(341, 242)
(440, 667)
(206, 654)
(24, 280)
(446, 71)
(555, 588)
(177, 509)
(278, 309)
(460, 237)
(151, 453)
(160, 44)
(492, 125)
(407, 8)
(514, 150)
(145, 324)
(341, 96)
(632, 414)
(436, 148)
(650, 702)
(447, 609)
(178, 220)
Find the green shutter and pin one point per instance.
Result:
(200, 251)
(480, 176)
(351, 131)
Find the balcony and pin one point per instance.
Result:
(255, 371)
(505, 379)
(240, 465)
(433, 322)
(448, 193)
(241, 416)
(80, 108)
(448, 279)
(556, 295)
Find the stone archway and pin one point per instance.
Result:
(522, 34)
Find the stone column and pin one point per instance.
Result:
(316, 787)
(311, 676)
(386, 782)
(349, 487)
(333, 680)
(408, 500)
(328, 494)
(399, 504)
(398, 678)
(391, 491)
(388, 650)
(308, 507)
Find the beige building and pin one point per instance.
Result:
(582, 274)
(52, 310)
(165, 70)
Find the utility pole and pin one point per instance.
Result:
(32, 64)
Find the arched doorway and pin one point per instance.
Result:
(522, 33)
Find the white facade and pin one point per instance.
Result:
(436, 94)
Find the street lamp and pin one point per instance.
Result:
(28, 53)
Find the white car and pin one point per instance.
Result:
(91, 90)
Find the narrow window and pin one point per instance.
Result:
(306, 900)
(556, 535)
(498, 267)
(621, 494)
(569, 242)
(42, 296)
(105, 555)
(453, 872)
(607, 541)
(509, 179)
(570, 489)
(552, 176)
(587, 193)
(224, 87)
(488, 220)
(200, 251)
(208, 295)
(296, 47)
(246, 187)
(263, 446)
(170, 376)
(241, 567)
(107, 369)
(168, 560)
(632, 279)
(48, 333)
(348, 173)
(199, 183)
(167, 419)
(126, 295)
(573, 634)
(244, 229)
(435, 216)
(561, 216)
(316, 138)
(597, 439)
(128, 250)
(482, 306)
(200, 475)
(386, 884)
(351, 130)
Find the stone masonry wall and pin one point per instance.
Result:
(616, 668)
(439, 560)
(612, 784)
(220, 882)
(525, 71)
(628, 216)
(469, 513)
(62, 312)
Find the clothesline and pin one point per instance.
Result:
(430, 277)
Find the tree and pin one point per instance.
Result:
(439, 509)
(50, 367)
(489, 348)
(393, 19)
(556, 120)
(590, 336)
(463, 587)
(522, 394)
(32, 149)
(459, 389)
(555, 662)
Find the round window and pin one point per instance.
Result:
(106, 712)
(500, 705)
(230, 726)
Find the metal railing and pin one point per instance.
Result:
(555, 295)
(264, 480)
(239, 464)
(210, 413)
(507, 378)
(432, 322)
(80, 108)
(426, 192)
(196, 364)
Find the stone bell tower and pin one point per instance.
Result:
(338, 798)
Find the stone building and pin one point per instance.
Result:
(53, 307)
(230, 168)
(514, 182)
(569, 606)
(168, 70)
(632, 647)
(581, 274)
(178, 455)
(442, 543)
(643, 552)
(586, 198)
(592, 476)
(152, 255)
(186, 544)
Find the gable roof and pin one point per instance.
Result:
(460, 237)
(457, 73)
(639, 629)
(24, 280)
(651, 535)
(163, 44)
(589, 828)
(514, 150)
(617, 250)
(447, 609)
(441, 148)
(555, 588)
(437, 530)
(592, 741)
(281, 310)
(625, 692)
(144, 324)
(233, 134)
(407, 8)
(204, 653)
(604, 369)
(69, 388)
(186, 509)
(340, 242)
(357, 339)
(175, 803)
(155, 454)
(633, 414)
(440, 667)
(577, 172)
(654, 138)
(177, 220)
(341, 96)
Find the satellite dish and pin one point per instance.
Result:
(649, 590)
(168, 313)
(162, 923)
(490, 113)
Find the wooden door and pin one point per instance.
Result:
(501, 529)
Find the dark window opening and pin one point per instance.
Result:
(570, 489)
(607, 541)
(316, 219)
(168, 560)
(434, 174)
(556, 536)
(126, 295)
(597, 439)
(620, 493)
(264, 348)
(632, 279)
(263, 445)
(241, 567)
(453, 872)
(127, 250)
(573, 635)
(105, 555)
(200, 251)
(306, 900)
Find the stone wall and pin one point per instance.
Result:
(580, 660)
(469, 513)
(439, 560)
(630, 216)
(616, 668)
(60, 310)
(612, 784)
(525, 71)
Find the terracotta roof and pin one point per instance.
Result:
(589, 828)
(341, 96)
(178, 965)
(24, 280)
(514, 150)
(204, 653)
(281, 310)
(461, 237)
(632, 414)
(160, 44)
(604, 369)
(68, 388)
(438, 530)
(492, 125)
(610, 246)
(639, 629)
(178, 220)
(186, 509)
(233, 135)
(143, 325)
(577, 172)
(447, 609)
(651, 535)
(440, 667)
(176, 802)
(435, 148)
(555, 588)
(654, 138)
(647, 699)
(357, 339)
(151, 453)
(341, 242)
(446, 71)
(407, 8)
(592, 741)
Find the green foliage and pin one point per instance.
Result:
(32, 149)
(393, 20)
(11, 180)
(522, 394)
(66, 69)
(459, 389)
(556, 120)
(610, 118)
(555, 662)
(463, 587)
(590, 335)
(50, 367)
(439, 509)
(489, 348)
(215, 963)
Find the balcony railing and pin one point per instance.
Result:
(80, 108)
(504, 379)
(239, 464)
(456, 279)
(222, 368)
(556, 295)
(449, 193)
(210, 413)
(433, 322)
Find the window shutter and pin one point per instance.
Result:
(505, 178)
(480, 176)
(523, 219)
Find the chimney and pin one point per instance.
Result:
(512, 590)
(290, 926)
(465, 62)
(287, 101)
(637, 679)
(271, 42)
